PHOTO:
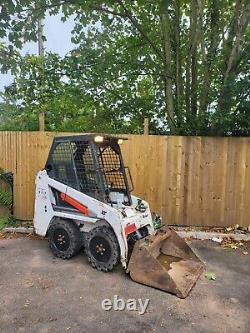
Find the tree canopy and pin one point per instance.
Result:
(183, 64)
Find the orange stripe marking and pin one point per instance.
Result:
(129, 229)
(74, 203)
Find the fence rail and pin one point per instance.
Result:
(188, 180)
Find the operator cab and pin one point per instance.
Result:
(93, 165)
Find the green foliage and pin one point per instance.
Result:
(183, 64)
(6, 199)
(7, 221)
(3, 222)
(5, 191)
(210, 276)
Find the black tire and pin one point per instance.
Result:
(102, 248)
(65, 238)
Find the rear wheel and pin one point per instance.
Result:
(65, 238)
(102, 248)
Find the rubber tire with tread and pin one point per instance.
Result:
(75, 238)
(108, 234)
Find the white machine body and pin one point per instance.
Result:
(83, 201)
(123, 219)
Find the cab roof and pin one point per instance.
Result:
(88, 137)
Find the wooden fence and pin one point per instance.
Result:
(198, 181)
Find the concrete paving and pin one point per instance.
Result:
(43, 294)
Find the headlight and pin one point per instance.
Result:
(99, 138)
(120, 141)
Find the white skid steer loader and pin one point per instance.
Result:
(83, 200)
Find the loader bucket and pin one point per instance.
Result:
(165, 261)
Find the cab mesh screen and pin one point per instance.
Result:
(73, 165)
(111, 167)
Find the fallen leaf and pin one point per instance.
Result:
(210, 276)
(233, 246)
(245, 252)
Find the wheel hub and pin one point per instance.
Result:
(61, 239)
(100, 249)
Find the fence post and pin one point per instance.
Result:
(41, 121)
(146, 126)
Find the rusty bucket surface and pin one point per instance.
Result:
(166, 262)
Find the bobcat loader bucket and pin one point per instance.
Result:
(166, 262)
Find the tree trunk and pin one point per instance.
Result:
(187, 87)
(191, 92)
(41, 51)
(192, 64)
(233, 57)
(233, 27)
(193, 51)
(214, 26)
(236, 48)
(41, 48)
(178, 65)
(165, 27)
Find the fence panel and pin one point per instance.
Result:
(188, 180)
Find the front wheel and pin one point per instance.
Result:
(65, 238)
(102, 248)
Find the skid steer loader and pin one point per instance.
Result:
(83, 200)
